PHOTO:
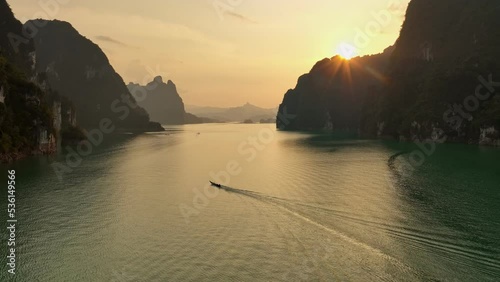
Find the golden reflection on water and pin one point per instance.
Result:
(297, 206)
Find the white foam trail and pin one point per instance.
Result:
(319, 225)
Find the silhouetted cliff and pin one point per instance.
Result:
(163, 103)
(440, 80)
(332, 94)
(161, 100)
(443, 50)
(77, 68)
(28, 112)
(15, 46)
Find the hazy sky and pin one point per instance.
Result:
(225, 52)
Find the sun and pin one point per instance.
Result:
(347, 51)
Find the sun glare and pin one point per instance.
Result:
(347, 51)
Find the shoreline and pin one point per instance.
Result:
(488, 142)
(11, 157)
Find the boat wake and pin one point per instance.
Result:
(284, 205)
(480, 255)
(391, 163)
(415, 238)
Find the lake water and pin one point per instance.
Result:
(297, 207)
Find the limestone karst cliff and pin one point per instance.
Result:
(442, 75)
(78, 69)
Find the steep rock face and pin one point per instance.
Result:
(442, 77)
(77, 68)
(161, 100)
(14, 44)
(27, 116)
(490, 136)
(443, 49)
(18, 48)
(332, 94)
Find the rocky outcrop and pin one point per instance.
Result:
(78, 69)
(15, 46)
(161, 100)
(443, 76)
(26, 117)
(163, 103)
(446, 51)
(2, 94)
(490, 136)
(332, 94)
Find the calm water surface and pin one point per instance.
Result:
(297, 207)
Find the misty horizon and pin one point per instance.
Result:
(225, 40)
(233, 140)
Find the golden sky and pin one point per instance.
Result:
(225, 52)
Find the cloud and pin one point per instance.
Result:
(142, 31)
(240, 17)
(110, 40)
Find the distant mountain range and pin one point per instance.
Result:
(243, 113)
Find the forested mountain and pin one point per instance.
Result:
(332, 94)
(77, 68)
(446, 51)
(27, 124)
(48, 77)
(161, 100)
(14, 45)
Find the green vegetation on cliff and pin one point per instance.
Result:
(23, 112)
(443, 73)
(78, 69)
(332, 94)
(443, 49)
